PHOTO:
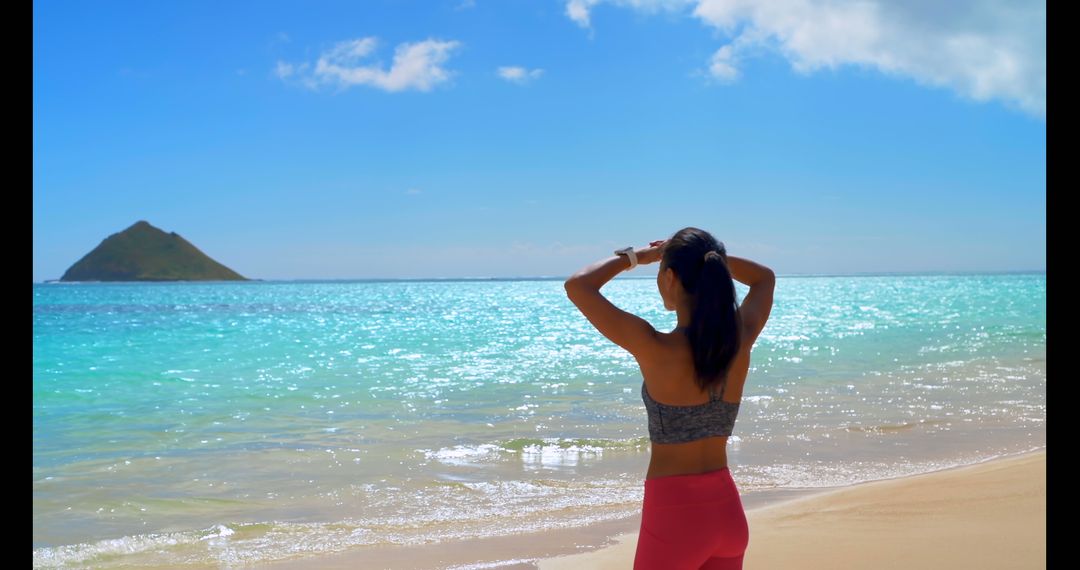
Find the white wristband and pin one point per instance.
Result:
(629, 251)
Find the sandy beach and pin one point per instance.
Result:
(988, 515)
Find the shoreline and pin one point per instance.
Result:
(990, 514)
(877, 521)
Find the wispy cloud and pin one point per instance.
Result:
(284, 70)
(981, 49)
(465, 5)
(277, 40)
(724, 64)
(579, 10)
(416, 66)
(519, 75)
(413, 191)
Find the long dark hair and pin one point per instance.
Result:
(700, 263)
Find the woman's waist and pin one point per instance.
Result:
(669, 462)
(658, 474)
(709, 487)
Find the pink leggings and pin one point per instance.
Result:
(691, 522)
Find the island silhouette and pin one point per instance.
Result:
(146, 253)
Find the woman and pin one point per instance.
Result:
(692, 516)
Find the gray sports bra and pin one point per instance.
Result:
(681, 424)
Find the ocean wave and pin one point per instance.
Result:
(543, 449)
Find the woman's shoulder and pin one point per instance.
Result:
(677, 342)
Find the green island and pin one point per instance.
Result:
(146, 253)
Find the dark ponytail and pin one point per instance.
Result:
(701, 264)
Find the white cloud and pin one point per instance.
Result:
(579, 10)
(465, 5)
(412, 191)
(416, 66)
(519, 75)
(283, 69)
(722, 65)
(981, 49)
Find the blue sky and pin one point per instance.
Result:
(294, 140)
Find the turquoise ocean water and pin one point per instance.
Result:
(233, 423)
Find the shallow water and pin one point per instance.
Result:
(219, 423)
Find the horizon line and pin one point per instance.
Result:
(556, 277)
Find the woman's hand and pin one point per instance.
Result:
(651, 254)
